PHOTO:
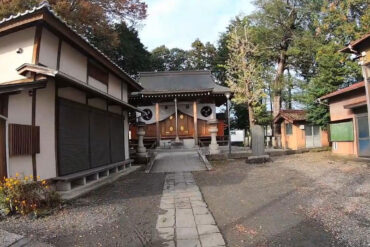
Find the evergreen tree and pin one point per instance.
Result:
(339, 23)
(131, 54)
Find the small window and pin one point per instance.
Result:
(187, 106)
(288, 129)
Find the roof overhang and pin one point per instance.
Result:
(351, 88)
(11, 88)
(356, 46)
(31, 70)
(44, 15)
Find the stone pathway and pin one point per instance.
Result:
(178, 162)
(186, 221)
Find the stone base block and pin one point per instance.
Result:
(142, 160)
(63, 186)
(258, 159)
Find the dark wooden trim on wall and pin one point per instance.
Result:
(56, 127)
(59, 53)
(36, 44)
(34, 163)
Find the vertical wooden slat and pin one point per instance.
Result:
(24, 139)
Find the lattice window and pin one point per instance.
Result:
(23, 139)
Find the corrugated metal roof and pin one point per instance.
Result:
(46, 6)
(179, 81)
(344, 90)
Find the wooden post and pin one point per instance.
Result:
(157, 124)
(365, 73)
(195, 114)
(34, 164)
(177, 123)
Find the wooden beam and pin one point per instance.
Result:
(16, 25)
(59, 53)
(195, 114)
(157, 123)
(36, 44)
(34, 164)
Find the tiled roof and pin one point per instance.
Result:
(291, 115)
(344, 90)
(46, 6)
(179, 81)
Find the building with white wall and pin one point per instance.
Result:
(63, 103)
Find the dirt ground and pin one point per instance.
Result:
(310, 199)
(120, 214)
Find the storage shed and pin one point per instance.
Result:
(297, 133)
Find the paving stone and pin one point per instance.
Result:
(185, 208)
(207, 229)
(182, 200)
(169, 244)
(188, 243)
(183, 205)
(198, 204)
(205, 219)
(167, 233)
(200, 210)
(196, 198)
(185, 218)
(169, 200)
(165, 221)
(186, 233)
(166, 206)
(212, 240)
(7, 238)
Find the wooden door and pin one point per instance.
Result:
(186, 125)
(3, 168)
(168, 127)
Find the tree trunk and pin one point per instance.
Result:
(278, 84)
(251, 116)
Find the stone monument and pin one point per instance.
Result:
(258, 145)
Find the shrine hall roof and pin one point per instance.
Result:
(179, 82)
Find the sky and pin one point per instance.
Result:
(177, 23)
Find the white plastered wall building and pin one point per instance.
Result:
(43, 65)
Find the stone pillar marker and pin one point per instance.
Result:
(213, 147)
(141, 149)
(258, 145)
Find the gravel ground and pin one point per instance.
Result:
(123, 213)
(310, 199)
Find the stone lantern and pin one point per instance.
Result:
(213, 147)
(141, 149)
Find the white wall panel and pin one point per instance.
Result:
(10, 60)
(114, 86)
(73, 63)
(49, 49)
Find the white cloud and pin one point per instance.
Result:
(177, 23)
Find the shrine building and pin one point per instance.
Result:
(179, 106)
